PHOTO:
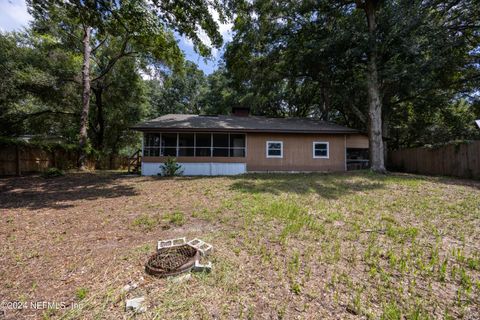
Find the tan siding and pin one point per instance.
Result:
(357, 141)
(297, 152)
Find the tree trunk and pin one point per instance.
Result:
(377, 162)
(85, 98)
(100, 119)
(326, 104)
(386, 135)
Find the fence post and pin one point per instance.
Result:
(18, 170)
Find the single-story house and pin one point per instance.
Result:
(239, 143)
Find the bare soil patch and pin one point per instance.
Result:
(308, 246)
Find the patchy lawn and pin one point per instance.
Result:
(345, 246)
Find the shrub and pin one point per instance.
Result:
(171, 168)
(53, 173)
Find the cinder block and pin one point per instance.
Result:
(136, 304)
(171, 243)
(204, 248)
(198, 267)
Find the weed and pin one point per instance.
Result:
(391, 311)
(81, 293)
(145, 222)
(176, 218)
(296, 287)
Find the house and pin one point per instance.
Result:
(239, 143)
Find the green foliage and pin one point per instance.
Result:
(287, 58)
(176, 218)
(171, 168)
(81, 293)
(127, 38)
(391, 312)
(37, 142)
(53, 173)
(295, 58)
(178, 92)
(35, 94)
(145, 222)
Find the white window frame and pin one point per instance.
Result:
(321, 157)
(281, 149)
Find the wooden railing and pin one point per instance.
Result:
(135, 162)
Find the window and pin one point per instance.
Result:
(151, 145)
(274, 149)
(320, 150)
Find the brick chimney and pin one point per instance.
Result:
(240, 111)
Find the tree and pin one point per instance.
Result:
(36, 93)
(178, 92)
(314, 59)
(377, 159)
(140, 24)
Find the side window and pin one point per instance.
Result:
(274, 149)
(320, 150)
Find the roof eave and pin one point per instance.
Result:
(243, 130)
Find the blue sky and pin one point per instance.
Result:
(14, 16)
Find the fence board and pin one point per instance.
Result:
(460, 160)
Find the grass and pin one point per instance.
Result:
(81, 293)
(355, 245)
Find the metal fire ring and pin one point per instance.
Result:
(171, 261)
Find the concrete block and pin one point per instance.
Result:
(171, 243)
(198, 267)
(204, 248)
(136, 304)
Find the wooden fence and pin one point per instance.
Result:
(458, 160)
(15, 160)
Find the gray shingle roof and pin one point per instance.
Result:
(189, 122)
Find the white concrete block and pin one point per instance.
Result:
(136, 304)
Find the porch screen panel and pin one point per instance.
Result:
(186, 144)
(151, 145)
(169, 144)
(237, 145)
(203, 146)
(220, 144)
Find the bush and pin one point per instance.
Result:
(171, 168)
(53, 173)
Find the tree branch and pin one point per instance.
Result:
(39, 113)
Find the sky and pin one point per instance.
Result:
(14, 16)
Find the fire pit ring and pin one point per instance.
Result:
(171, 261)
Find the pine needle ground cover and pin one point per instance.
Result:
(306, 246)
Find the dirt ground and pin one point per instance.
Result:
(293, 246)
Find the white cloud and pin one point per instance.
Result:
(13, 15)
(225, 30)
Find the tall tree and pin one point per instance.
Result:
(377, 158)
(314, 58)
(143, 26)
